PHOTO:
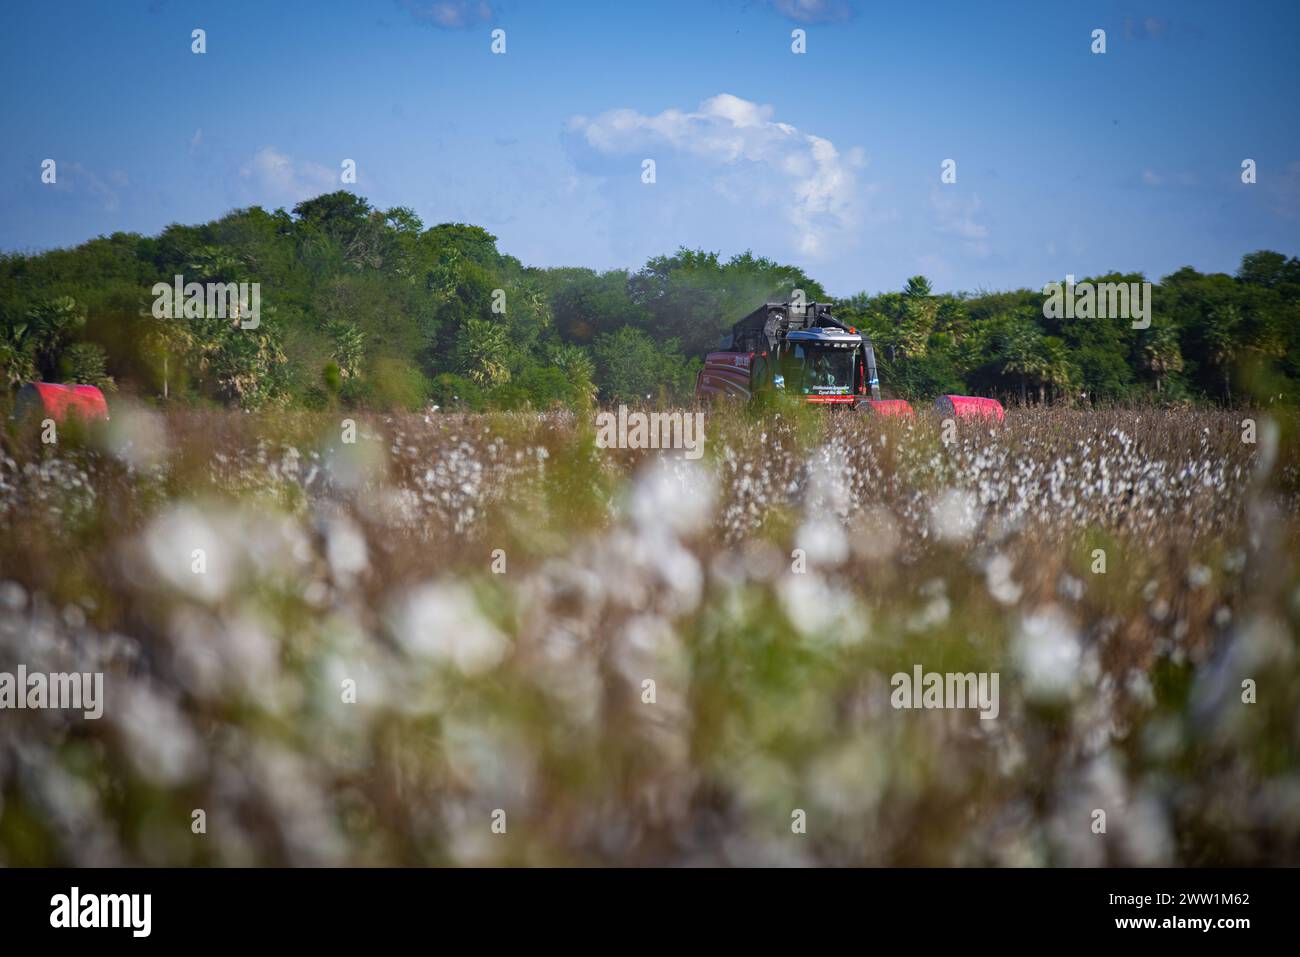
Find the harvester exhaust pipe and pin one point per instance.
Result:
(873, 379)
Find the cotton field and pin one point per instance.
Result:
(484, 639)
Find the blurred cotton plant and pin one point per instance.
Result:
(303, 634)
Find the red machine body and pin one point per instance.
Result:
(795, 348)
(56, 401)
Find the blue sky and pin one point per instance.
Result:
(1067, 161)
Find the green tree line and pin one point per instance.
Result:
(368, 308)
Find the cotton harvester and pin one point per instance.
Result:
(801, 349)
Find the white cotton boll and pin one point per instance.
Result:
(821, 613)
(13, 596)
(955, 516)
(850, 778)
(1070, 587)
(356, 464)
(1048, 653)
(289, 784)
(252, 659)
(136, 436)
(683, 577)
(1265, 641)
(1140, 689)
(935, 611)
(197, 652)
(345, 548)
(190, 551)
(492, 759)
(316, 594)
(443, 622)
(160, 742)
(997, 574)
(1146, 833)
(823, 541)
(676, 496)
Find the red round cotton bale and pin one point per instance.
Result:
(889, 406)
(56, 401)
(969, 406)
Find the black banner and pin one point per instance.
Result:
(336, 906)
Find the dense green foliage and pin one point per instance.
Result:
(1211, 337)
(366, 308)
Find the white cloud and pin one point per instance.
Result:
(815, 11)
(449, 14)
(954, 216)
(803, 173)
(1151, 178)
(78, 178)
(272, 177)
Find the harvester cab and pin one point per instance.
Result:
(796, 348)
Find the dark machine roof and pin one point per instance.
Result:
(762, 329)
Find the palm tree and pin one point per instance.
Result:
(17, 359)
(538, 303)
(348, 350)
(86, 362)
(1161, 354)
(51, 324)
(211, 264)
(1221, 337)
(1056, 371)
(577, 367)
(918, 287)
(481, 350)
(1020, 346)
